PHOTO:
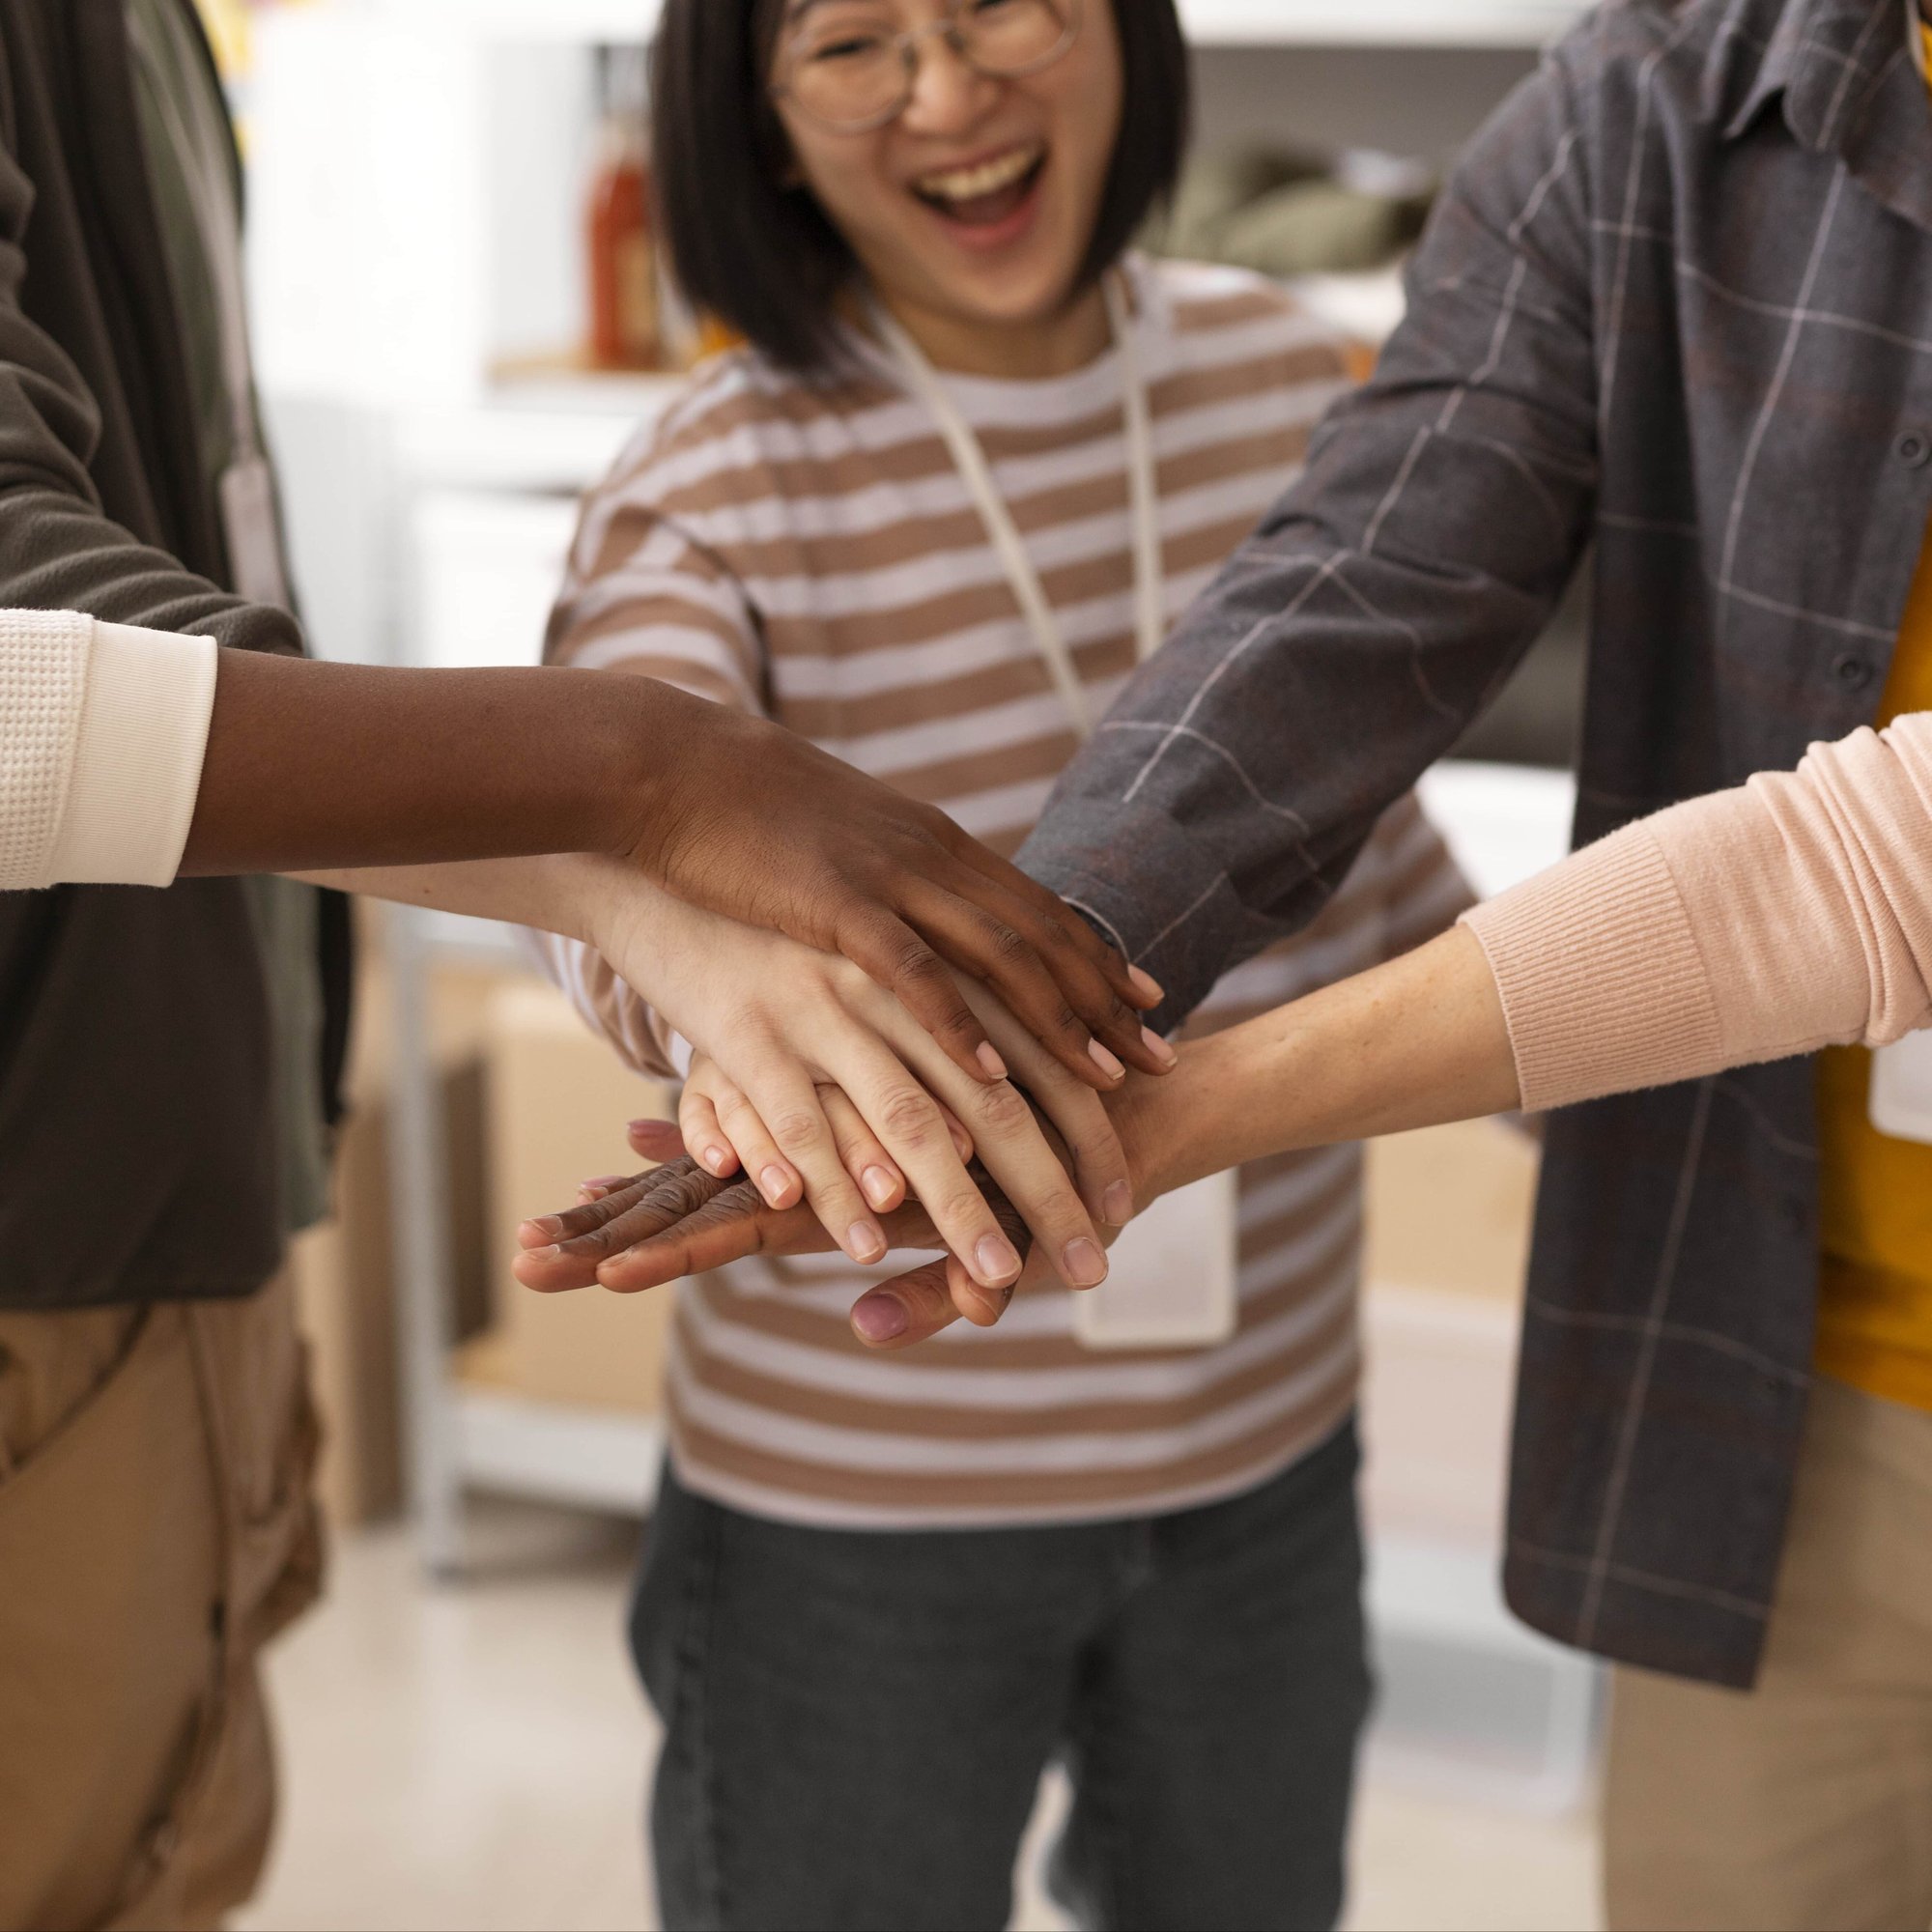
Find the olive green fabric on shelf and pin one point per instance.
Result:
(1283, 215)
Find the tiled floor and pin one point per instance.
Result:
(476, 1757)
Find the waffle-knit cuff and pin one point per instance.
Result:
(137, 764)
(1603, 984)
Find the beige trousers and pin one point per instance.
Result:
(155, 1527)
(1805, 1804)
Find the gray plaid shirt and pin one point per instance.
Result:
(1677, 304)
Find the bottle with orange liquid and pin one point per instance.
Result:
(625, 332)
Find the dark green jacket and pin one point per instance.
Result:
(138, 1150)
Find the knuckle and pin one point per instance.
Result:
(964, 1207)
(1008, 946)
(914, 961)
(1001, 1109)
(795, 1130)
(908, 1116)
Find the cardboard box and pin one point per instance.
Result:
(557, 1102)
(1449, 1209)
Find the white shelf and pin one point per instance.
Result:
(605, 23)
(1418, 23)
(1414, 23)
(564, 437)
(557, 1451)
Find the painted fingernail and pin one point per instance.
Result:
(1117, 1205)
(864, 1241)
(772, 1183)
(1105, 1061)
(879, 1185)
(1146, 985)
(881, 1318)
(996, 1067)
(716, 1160)
(995, 1259)
(1158, 1047)
(1086, 1265)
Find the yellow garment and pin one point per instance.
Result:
(1875, 1312)
(1875, 1279)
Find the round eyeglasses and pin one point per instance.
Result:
(846, 65)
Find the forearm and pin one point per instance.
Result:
(1348, 644)
(570, 893)
(318, 765)
(1409, 1044)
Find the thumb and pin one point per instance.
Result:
(656, 1141)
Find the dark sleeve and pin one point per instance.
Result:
(1382, 602)
(59, 549)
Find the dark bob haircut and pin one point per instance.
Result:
(760, 255)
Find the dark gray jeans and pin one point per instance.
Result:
(856, 1720)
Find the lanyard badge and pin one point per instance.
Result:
(1172, 1274)
(1901, 1088)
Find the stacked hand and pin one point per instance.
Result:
(831, 857)
(820, 1087)
(638, 1233)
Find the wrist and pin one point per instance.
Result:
(1213, 1107)
(632, 781)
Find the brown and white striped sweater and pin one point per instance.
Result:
(809, 552)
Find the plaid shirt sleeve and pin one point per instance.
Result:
(1383, 600)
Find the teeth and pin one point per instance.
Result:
(990, 178)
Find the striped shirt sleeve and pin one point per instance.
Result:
(644, 597)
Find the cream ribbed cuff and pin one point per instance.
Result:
(136, 768)
(1603, 983)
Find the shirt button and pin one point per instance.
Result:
(1853, 673)
(1914, 449)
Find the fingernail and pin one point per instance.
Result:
(547, 1223)
(1146, 985)
(716, 1160)
(879, 1186)
(1158, 1047)
(881, 1318)
(1117, 1205)
(996, 1067)
(544, 1254)
(772, 1183)
(1086, 1265)
(1105, 1061)
(996, 1260)
(604, 1183)
(864, 1241)
(639, 1126)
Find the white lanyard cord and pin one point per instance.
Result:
(970, 459)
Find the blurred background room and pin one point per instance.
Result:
(459, 321)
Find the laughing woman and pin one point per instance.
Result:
(972, 461)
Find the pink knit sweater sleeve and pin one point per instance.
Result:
(1790, 914)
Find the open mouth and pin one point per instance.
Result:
(987, 193)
